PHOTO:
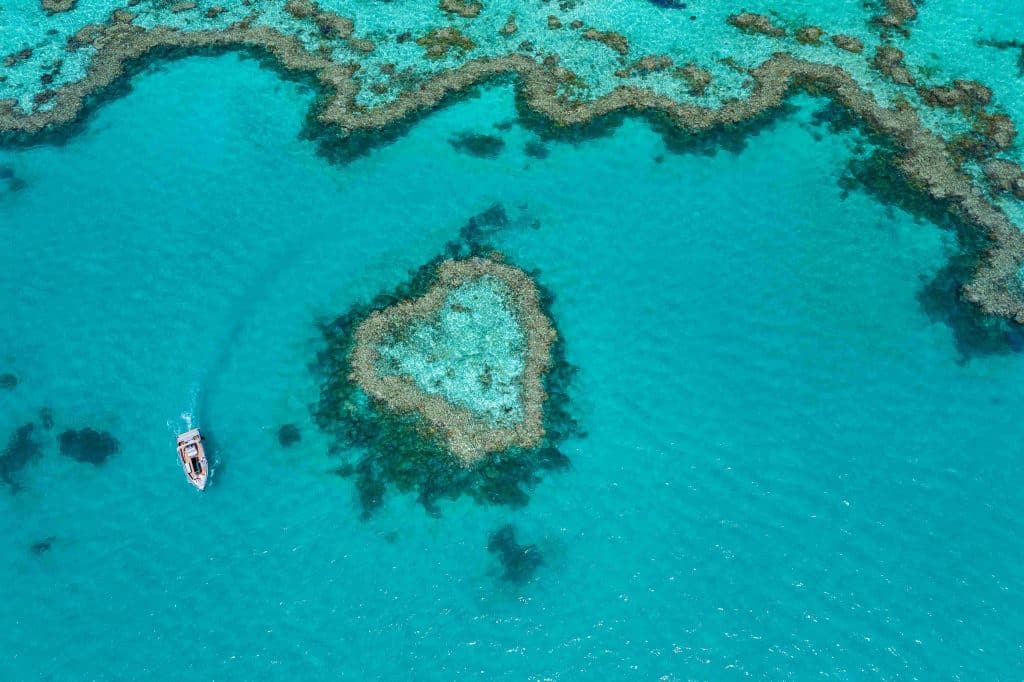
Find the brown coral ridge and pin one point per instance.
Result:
(58, 6)
(611, 39)
(697, 78)
(848, 43)
(330, 24)
(961, 93)
(467, 435)
(810, 35)
(898, 14)
(1005, 177)
(466, 10)
(648, 64)
(921, 156)
(748, 22)
(889, 61)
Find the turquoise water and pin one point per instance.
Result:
(785, 468)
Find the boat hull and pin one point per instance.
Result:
(192, 455)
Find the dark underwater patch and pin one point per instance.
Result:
(478, 144)
(46, 418)
(288, 435)
(43, 546)
(21, 449)
(668, 4)
(536, 149)
(518, 562)
(9, 178)
(388, 451)
(8, 382)
(88, 445)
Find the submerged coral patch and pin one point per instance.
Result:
(477, 144)
(43, 546)
(8, 381)
(453, 384)
(518, 562)
(88, 445)
(288, 435)
(21, 449)
(46, 417)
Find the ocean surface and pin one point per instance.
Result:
(787, 466)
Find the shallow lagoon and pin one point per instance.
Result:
(786, 470)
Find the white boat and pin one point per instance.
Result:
(193, 458)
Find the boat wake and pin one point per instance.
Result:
(187, 420)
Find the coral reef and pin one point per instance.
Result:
(88, 445)
(1005, 176)
(467, 433)
(58, 6)
(550, 92)
(898, 13)
(8, 381)
(960, 93)
(848, 43)
(440, 41)
(395, 433)
(21, 450)
(518, 562)
(612, 39)
(748, 22)
(889, 61)
(467, 10)
(809, 35)
(510, 27)
(697, 78)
